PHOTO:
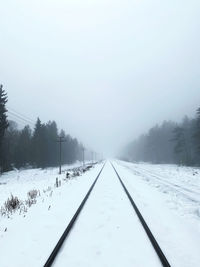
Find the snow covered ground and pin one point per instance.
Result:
(107, 232)
(180, 184)
(19, 182)
(169, 199)
(28, 239)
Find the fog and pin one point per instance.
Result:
(106, 70)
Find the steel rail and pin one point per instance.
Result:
(54, 253)
(151, 237)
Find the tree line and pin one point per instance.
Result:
(169, 142)
(38, 147)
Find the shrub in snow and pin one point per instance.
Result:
(29, 202)
(75, 173)
(32, 194)
(12, 204)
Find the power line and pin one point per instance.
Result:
(20, 114)
(20, 123)
(21, 118)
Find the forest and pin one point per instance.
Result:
(169, 142)
(36, 148)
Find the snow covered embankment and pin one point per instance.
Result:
(30, 236)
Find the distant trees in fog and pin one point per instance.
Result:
(37, 147)
(169, 142)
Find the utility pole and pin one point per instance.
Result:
(60, 141)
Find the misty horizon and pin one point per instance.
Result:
(105, 72)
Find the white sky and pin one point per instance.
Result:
(105, 70)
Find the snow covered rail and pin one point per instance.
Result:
(54, 253)
(152, 239)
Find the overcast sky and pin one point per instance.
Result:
(105, 70)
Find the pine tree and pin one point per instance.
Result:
(3, 121)
(52, 146)
(38, 144)
(196, 137)
(181, 143)
(197, 130)
(23, 149)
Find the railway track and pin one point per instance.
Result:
(151, 237)
(163, 260)
(55, 252)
